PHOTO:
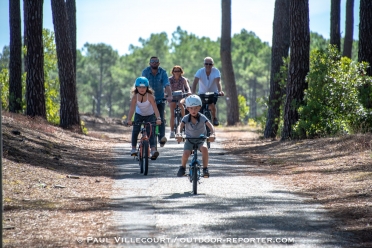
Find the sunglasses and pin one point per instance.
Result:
(208, 64)
(154, 61)
(176, 71)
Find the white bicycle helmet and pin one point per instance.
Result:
(193, 100)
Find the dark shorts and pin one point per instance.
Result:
(188, 146)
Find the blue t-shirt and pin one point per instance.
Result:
(157, 82)
(195, 130)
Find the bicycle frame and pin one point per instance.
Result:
(177, 110)
(194, 166)
(206, 111)
(144, 146)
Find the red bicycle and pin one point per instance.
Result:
(143, 152)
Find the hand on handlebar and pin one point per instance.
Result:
(158, 122)
(212, 137)
(178, 137)
(221, 93)
(128, 123)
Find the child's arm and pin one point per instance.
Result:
(212, 135)
(187, 87)
(178, 134)
(131, 109)
(151, 98)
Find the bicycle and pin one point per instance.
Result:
(207, 99)
(194, 166)
(177, 96)
(143, 150)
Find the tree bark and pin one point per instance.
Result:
(349, 29)
(299, 63)
(69, 111)
(279, 50)
(15, 58)
(365, 34)
(24, 32)
(35, 90)
(335, 23)
(227, 67)
(71, 14)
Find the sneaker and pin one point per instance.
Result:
(163, 141)
(133, 152)
(154, 155)
(216, 122)
(205, 172)
(181, 171)
(172, 135)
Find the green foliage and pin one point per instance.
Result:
(4, 83)
(51, 81)
(50, 76)
(332, 99)
(243, 108)
(84, 129)
(4, 58)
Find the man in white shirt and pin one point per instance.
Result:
(210, 81)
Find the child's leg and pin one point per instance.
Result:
(185, 157)
(204, 151)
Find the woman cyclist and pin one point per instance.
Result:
(144, 105)
(177, 82)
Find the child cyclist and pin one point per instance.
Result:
(195, 124)
(144, 105)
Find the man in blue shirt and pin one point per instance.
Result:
(158, 80)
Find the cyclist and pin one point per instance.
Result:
(210, 81)
(177, 82)
(144, 106)
(195, 124)
(158, 80)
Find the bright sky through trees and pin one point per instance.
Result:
(120, 23)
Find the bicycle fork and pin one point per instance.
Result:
(191, 170)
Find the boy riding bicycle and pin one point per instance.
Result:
(195, 125)
(144, 105)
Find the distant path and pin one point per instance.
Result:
(232, 208)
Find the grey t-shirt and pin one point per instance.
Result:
(195, 130)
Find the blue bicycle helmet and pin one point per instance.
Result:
(141, 81)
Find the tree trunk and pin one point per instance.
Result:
(365, 34)
(335, 23)
(299, 63)
(227, 67)
(71, 13)
(15, 58)
(24, 32)
(365, 40)
(35, 90)
(69, 112)
(349, 29)
(279, 49)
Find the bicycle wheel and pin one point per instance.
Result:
(177, 121)
(140, 157)
(145, 157)
(156, 132)
(195, 179)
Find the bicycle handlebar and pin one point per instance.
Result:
(139, 123)
(200, 138)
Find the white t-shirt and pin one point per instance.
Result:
(206, 84)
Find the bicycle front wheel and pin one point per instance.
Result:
(208, 115)
(195, 179)
(145, 157)
(140, 157)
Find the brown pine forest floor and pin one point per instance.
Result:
(43, 207)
